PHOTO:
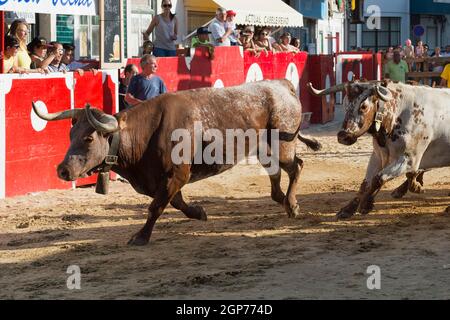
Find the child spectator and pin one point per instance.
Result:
(202, 40)
(230, 26)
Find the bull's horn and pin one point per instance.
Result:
(67, 114)
(107, 123)
(334, 89)
(384, 93)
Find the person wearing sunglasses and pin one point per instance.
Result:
(165, 26)
(10, 63)
(57, 51)
(263, 42)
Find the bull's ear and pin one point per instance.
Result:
(383, 93)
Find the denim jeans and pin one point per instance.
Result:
(158, 52)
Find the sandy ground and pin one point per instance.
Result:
(248, 248)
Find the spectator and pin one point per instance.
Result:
(38, 53)
(263, 41)
(57, 51)
(166, 30)
(10, 63)
(19, 29)
(296, 43)
(285, 45)
(247, 40)
(437, 67)
(230, 26)
(389, 54)
(445, 77)
(426, 51)
(147, 47)
(130, 71)
(145, 85)
(408, 50)
(447, 51)
(420, 50)
(219, 36)
(68, 59)
(397, 68)
(202, 40)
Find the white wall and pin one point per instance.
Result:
(330, 26)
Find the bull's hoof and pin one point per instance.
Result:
(293, 212)
(367, 206)
(416, 188)
(343, 214)
(138, 240)
(200, 214)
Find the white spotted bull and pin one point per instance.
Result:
(410, 126)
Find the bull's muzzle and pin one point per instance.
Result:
(64, 173)
(346, 138)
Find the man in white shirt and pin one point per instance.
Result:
(219, 36)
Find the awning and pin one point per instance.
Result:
(255, 12)
(78, 7)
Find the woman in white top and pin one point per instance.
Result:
(166, 29)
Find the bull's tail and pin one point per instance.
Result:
(311, 143)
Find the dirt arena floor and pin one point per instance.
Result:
(248, 249)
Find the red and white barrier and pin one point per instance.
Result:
(30, 149)
(357, 65)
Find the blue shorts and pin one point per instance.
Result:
(158, 52)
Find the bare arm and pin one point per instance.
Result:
(132, 101)
(175, 35)
(44, 63)
(150, 28)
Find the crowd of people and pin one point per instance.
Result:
(399, 61)
(222, 31)
(38, 56)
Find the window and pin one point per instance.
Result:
(381, 39)
(89, 37)
(352, 37)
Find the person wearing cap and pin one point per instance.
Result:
(38, 53)
(219, 36)
(230, 26)
(202, 40)
(247, 42)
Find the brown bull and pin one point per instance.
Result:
(145, 142)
